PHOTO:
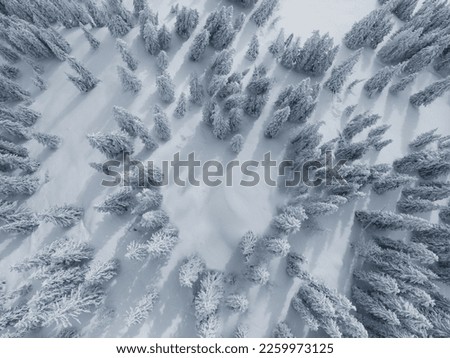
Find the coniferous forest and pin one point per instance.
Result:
(85, 83)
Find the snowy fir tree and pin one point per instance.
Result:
(220, 123)
(432, 190)
(8, 54)
(162, 61)
(245, 3)
(380, 80)
(162, 127)
(64, 216)
(139, 313)
(112, 144)
(11, 162)
(23, 185)
(248, 244)
(93, 42)
(440, 64)
(127, 57)
(289, 221)
(241, 331)
(370, 31)
(264, 11)
(222, 62)
(209, 294)
(253, 49)
(164, 38)
(49, 140)
(216, 83)
(279, 118)
(413, 206)
(277, 245)
(86, 80)
(257, 92)
(190, 270)
(282, 330)
(221, 29)
(430, 93)
(236, 143)
(129, 123)
(402, 84)
(39, 82)
(199, 45)
(422, 140)
(181, 108)
(150, 36)
(196, 91)
(117, 26)
(186, 22)
(239, 22)
(14, 130)
(235, 119)
(162, 243)
(237, 303)
(390, 182)
(421, 59)
(295, 264)
(9, 71)
(358, 123)
(339, 74)
(129, 81)
(165, 87)
(276, 48)
(404, 9)
(11, 91)
(444, 215)
(118, 203)
(146, 200)
(258, 274)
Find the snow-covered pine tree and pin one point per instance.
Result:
(186, 22)
(93, 42)
(404, 9)
(257, 92)
(162, 61)
(237, 303)
(253, 49)
(239, 22)
(216, 83)
(441, 63)
(245, 3)
(258, 274)
(282, 330)
(235, 119)
(196, 91)
(220, 123)
(210, 111)
(422, 140)
(162, 126)
(51, 141)
(11, 91)
(247, 244)
(8, 147)
(181, 108)
(127, 57)
(9, 71)
(422, 59)
(386, 220)
(86, 80)
(279, 118)
(165, 87)
(400, 47)
(146, 200)
(14, 185)
(277, 245)
(111, 144)
(199, 45)
(138, 6)
(14, 130)
(433, 190)
(340, 73)
(444, 215)
(223, 62)
(241, 331)
(162, 242)
(190, 270)
(236, 143)
(39, 82)
(430, 93)
(413, 206)
(128, 122)
(64, 216)
(390, 182)
(209, 294)
(117, 26)
(295, 264)
(8, 54)
(129, 80)
(118, 203)
(150, 36)
(11, 162)
(370, 31)
(380, 80)
(221, 29)
(101, 272)
(289, 221)
(316, 56)
(358, 123)
(264, 11)
(139, 313)
(97, 12)
(164, 38)
(208, 327)
(276, 48)
(402, 84)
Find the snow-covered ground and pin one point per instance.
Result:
(211, 220)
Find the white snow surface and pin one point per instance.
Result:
(211, 220)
